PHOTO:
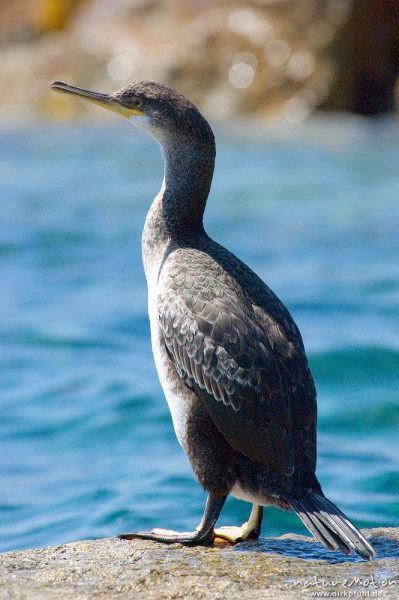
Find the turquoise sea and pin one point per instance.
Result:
(87, 447)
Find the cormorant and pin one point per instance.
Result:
(229, 355)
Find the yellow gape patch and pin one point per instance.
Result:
(103, 100)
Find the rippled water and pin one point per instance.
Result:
(86, 443)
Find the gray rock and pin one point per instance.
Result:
(291, 566)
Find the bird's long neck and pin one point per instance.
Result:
(176, 213)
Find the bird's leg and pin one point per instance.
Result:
(248, 531)
(203, 535)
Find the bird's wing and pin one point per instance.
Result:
(245, 373)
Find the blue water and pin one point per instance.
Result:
(87, 447)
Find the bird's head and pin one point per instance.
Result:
(160, 111)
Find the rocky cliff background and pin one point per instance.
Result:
(270, 58)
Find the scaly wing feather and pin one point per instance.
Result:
(241, 366)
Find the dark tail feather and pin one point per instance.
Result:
(330, 526)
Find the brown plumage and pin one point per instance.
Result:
(229, 355)
(236, 345)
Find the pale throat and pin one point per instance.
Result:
(141, 122)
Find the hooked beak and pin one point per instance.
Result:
(104, 100)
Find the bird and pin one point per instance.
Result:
(230, 358)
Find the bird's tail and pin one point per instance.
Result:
(329, 525)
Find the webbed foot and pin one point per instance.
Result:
(248, 531)
(203, 535)
(168, 536)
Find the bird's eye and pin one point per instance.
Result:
(136, 103)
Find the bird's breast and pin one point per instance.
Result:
(178, 396)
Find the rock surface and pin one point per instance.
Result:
(288, 567)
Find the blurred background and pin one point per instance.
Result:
(264, 57)
(303, 96)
